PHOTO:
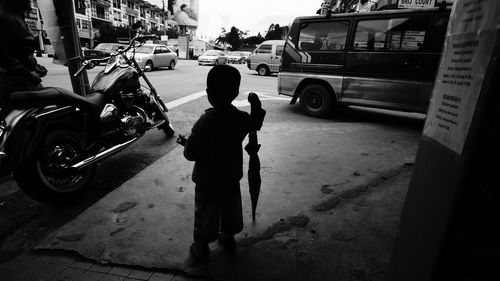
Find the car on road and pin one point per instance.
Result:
(102, 50)
(245, 55)
(236, 57)
(212, 57)
(149, 56)
(266, 58)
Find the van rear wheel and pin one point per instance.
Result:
(316, 100)
(263, 70)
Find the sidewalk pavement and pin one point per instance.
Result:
(328, 211)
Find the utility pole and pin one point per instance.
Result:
(165, 24)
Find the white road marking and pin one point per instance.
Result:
(262, 97)
(237, 103)
(186, 99)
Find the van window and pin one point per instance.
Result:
(323, 36)
(279, 50)
(397, 34)
(264, 49)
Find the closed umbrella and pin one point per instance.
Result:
(254, 181)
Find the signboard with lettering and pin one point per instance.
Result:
(467, 52)
(416, 4)
(183, 12)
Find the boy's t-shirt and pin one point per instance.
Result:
(215, 144)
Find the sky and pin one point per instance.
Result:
(248, 15)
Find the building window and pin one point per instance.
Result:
(117, 4)
(85, 24)
(130, 5)
(100, 12)
(117, 16)
(131, 20)
(80, 7)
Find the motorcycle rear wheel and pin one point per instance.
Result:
(46, 177)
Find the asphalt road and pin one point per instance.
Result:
(24, 222)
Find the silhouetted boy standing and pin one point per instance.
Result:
(215, 144)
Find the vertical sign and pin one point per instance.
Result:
(183, 47)
(468, 48)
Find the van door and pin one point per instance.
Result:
(383, 68)
(274, 65)
(430, 62)
(263, 54)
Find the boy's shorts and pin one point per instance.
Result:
(217, 209)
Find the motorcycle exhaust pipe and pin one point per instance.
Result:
(102, 155)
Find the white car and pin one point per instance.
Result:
(149, 56)
(212, 57)
(236, 57)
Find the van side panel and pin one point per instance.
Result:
(290, 81)
(392, 78)
(389, 60)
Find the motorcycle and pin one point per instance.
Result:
(53, 139)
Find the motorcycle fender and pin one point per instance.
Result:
(29, 133)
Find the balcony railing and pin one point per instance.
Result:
(132, 12)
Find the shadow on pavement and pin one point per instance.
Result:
(351, 114)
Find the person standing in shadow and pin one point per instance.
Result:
(215, 144)
(19, 70)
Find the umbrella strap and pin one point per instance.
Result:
(252, 147)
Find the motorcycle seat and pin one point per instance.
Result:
(59, 96)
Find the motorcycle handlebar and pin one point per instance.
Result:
(89, 64)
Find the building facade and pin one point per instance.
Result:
(90, 15)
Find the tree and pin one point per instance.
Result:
(171, 32)
(108, 33)
(233, 37)
(253, 40)
(276, 32)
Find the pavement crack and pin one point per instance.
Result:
(116, 231)
(74, 237)
(350, 193)
(123, 207)
(283, 225)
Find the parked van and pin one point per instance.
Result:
(385, 59)
(266, 58)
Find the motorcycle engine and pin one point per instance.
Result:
(145, 101)
(109, 114)
(132, 124)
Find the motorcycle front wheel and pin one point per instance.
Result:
(46, 176)
(167, 129)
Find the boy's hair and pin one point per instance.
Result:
(223, 84)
